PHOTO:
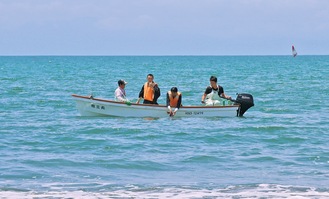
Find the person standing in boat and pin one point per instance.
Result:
(120, 93)
(150, 91)
(213, 93)
(174, 101)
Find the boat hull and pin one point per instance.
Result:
(100, 107)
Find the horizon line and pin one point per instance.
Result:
(160, 55)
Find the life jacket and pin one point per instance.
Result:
(148, 92)
(213, 95)
(173, 100)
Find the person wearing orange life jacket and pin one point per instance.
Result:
(150, 91)
(174, 100)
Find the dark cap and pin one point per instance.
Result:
(174, 89)
(121, 81)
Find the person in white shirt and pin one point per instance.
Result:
(214, 93)
(120, 93)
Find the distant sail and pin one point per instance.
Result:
(294, 52)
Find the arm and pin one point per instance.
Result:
(203, 97)
(222, 94)
(120, 98)
(207, 91)
(177, 107)
(156, 93)
(179, 103)
(168, 101)
(157, 90)
(141, 94)
(226, 96)
(168, 106)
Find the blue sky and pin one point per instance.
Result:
(163, 27)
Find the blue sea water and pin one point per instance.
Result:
(279, 149)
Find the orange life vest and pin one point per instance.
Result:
(173, 100)
(148, 92)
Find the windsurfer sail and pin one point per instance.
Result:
(294, 52)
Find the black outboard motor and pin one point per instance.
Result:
(246, 101)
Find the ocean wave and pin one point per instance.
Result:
(132, 191)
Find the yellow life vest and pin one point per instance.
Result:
(148, 92)
(173, 100)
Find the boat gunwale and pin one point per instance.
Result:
(151, 105)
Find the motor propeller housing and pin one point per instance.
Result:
(246, 101)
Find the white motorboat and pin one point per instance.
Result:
(90, 106)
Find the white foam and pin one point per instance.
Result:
(260, 191)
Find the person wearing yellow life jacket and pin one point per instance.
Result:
(174, 101)
(213, 93)
(150, 91)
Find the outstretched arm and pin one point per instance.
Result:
(225, 96)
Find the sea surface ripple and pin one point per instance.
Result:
(279, 149)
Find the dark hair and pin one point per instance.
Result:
(150, 75)
(213, 78)
(120, 82)
(174, 89)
